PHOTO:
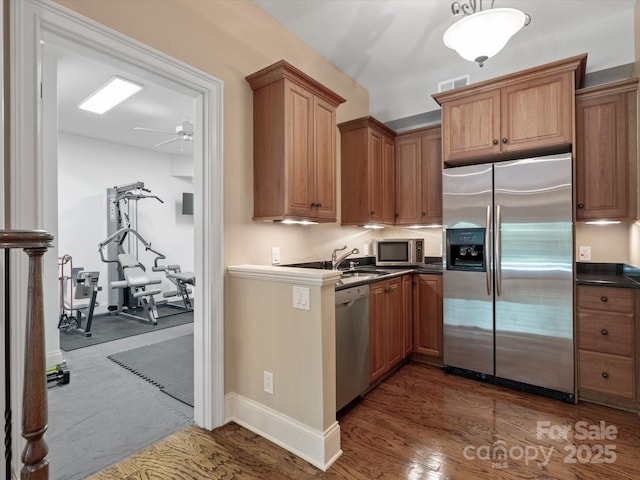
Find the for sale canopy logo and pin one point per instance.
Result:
(603, 451)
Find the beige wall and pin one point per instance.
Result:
(299, 371)
(609, 243)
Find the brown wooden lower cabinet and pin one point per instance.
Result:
(607, 345)
(427, 317)
(386, 326)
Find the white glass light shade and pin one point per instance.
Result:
(480, 36)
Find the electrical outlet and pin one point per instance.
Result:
(268, 382)
(584, 254)
(275, 255)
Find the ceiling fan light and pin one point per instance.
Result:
(481, 35)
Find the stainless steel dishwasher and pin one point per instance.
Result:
(352, 343)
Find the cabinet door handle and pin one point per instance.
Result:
(603, 298)
(424, 214)
(495, 141)
(604, 331)
(605, 375)
(314, 204)
(504, 140)
(318, 204)
(581, 205)
(372, 212)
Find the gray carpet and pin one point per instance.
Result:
(106, 328)
(168, 365)
(105, 413)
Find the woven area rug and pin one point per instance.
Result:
(167, 365)
(106, 328)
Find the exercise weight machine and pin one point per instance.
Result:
(131, 288)
(78, 292)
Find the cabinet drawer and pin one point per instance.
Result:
(606, 332)
(604, 373)
(605, 298)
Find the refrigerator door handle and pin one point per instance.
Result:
(487, 239)
(498, 265)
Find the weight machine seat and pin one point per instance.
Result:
(134, 275)
(78, 303)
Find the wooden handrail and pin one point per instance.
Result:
(34, 397)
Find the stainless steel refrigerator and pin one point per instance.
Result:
(508, 272)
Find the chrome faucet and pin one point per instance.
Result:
(335, 261)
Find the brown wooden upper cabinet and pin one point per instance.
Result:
(531, 111)
(607, 151)
(419, 177)
(367, 172)
(294, 145)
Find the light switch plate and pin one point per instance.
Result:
(275, 255)
(584, 254)
(301, 298)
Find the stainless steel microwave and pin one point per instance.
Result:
(399, 252)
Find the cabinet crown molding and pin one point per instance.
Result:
(284, 70)
(626, 85)
(367, 121)
(577, 64)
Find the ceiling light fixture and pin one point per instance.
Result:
(480, 34)
(109, 95)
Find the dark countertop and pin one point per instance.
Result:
(607, 275)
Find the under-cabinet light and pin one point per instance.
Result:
(424, 226)
(603, 222)
(298, 222)
(109, 95)
(373, 226)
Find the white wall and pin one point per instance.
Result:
(86, 168)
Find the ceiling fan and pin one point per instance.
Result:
(184, 133)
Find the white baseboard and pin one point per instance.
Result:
(54, 358)
(318, 448)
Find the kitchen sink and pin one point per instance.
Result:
(353, 276)
(363, 274)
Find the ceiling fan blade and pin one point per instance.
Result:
(154, 130)
(166, 141)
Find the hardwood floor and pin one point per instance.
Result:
(419, 424)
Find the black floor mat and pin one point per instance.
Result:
(167, 365)
(106, 328)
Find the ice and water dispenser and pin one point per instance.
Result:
(466, 249)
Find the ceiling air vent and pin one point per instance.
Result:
(453, 83)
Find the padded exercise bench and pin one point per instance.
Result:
(137, 280)
(182, 282)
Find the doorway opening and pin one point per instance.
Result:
(33, 201)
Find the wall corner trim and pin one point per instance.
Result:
(318, 448)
